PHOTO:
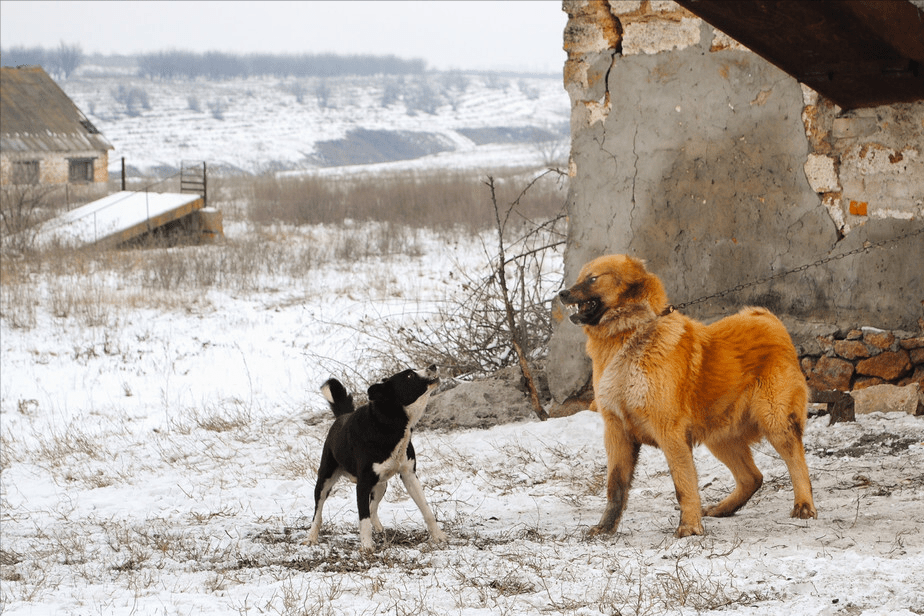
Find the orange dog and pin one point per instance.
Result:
(669, 381)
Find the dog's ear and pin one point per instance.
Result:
(655, 294)
(378, 391)
(646, 288)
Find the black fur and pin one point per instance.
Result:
(341, 402)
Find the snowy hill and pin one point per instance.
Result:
(254, 125)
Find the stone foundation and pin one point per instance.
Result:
(865, 357)
(868, 359)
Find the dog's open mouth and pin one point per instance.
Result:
(583, 312)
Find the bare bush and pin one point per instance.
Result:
(500, 318)
(133, 99)
(217, 108)
(22, 207)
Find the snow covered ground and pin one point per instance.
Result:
(159, 451)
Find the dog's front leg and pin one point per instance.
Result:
(621, 457)
(413, 487)
(364, 487)
(679, 456)
(377, 493)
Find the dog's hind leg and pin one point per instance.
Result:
(783, 424)
(736, 455)
(413, 487)
(788, 444)
(328, 474)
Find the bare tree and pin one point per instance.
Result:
(66, 59)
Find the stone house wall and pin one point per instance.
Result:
(54, 166)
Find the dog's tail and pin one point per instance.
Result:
(336, 394)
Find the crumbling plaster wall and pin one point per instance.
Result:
(717, 168)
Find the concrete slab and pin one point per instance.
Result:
(116, 218)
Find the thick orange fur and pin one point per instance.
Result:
(673, 382)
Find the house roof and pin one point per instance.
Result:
(37, 116)
(858, 53)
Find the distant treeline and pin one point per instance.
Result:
(219, 65)
(61, 61)
(167, 65)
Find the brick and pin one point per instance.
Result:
(807, 364)
(917, 356)
(825, 344)
(916, 377)
(878, 339)
(831, 373)
(889, 366)
(865, 382)
(821, 173)
(850, 349)
(886, 399)
(912, 343)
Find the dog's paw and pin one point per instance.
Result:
(804, 511)
(686, 530)
(600, 529)
(438, 537)
(717, 511)
(377, 526)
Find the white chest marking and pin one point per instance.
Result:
(396, 461)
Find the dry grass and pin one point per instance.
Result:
(442, 201)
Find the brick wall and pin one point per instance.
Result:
(53, 167)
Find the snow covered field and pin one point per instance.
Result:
(159, 451)
(438, 120)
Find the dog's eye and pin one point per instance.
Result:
(592, 279)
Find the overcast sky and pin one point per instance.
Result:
(493, 35)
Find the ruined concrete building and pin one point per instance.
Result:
(719, 169)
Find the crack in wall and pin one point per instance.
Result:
(634, 179)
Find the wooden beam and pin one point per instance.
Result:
(858, 53)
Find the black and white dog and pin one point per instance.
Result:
(371, 444)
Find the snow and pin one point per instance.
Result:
(162, 462)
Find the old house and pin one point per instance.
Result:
(729, 144)
(45, 140)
